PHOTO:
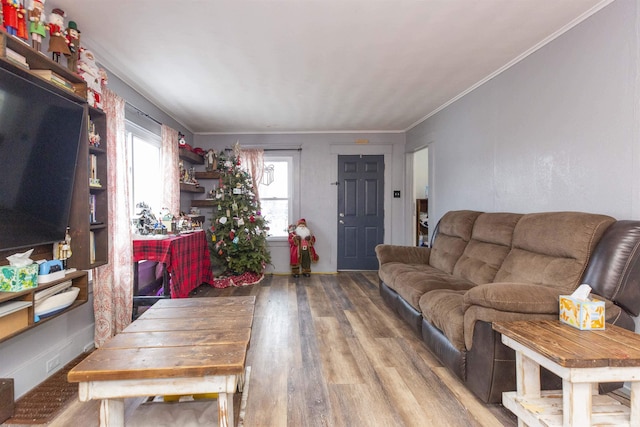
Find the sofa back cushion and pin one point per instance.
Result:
(489, 245)
(552, 248)
(453, 234)
(614, 269)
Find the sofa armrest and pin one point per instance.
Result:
(515, 297)
(404, 254)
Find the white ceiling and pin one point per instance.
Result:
(313, 65)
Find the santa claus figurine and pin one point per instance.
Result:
(302, 252)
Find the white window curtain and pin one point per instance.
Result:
(112, 289)
(171, 170)
(252, 160)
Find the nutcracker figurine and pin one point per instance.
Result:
(10, 16)
(37, 23)
(57, 35)
(73, 41)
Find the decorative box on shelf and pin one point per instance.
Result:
(16, 279)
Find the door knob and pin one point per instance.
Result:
(341, 222)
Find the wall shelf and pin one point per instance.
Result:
(207, 203)
(190, 188)
(190, 156)
(208, 175)
(24, 319)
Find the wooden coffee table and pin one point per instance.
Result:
(177, 347)
(582, 359)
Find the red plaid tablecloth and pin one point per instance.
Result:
(185, 256)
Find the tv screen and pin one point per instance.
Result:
(39, 138)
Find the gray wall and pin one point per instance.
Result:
(318, 198)
(558, 131)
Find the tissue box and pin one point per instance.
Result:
(15, 279)
(584, 315)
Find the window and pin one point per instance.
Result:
(146, 171)
(276, 199)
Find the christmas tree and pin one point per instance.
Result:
(237, 238)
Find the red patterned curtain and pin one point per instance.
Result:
(113, 283)
(171, 170)
(252, 160)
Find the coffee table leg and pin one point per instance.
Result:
(112, 413)
(225, 410)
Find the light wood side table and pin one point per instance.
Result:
(582, 359)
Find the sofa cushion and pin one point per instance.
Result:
(516, 297)
(552, 248)
(444, 309)
(453, 234)
(489, 245)
(412, 284)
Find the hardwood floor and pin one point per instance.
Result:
(326, 351)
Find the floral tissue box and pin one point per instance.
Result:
(15, 279)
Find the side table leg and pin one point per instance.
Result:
(576, 404)
(527, 376)
(634, 401)
(112, 413)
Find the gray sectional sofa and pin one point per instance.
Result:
(484, 267)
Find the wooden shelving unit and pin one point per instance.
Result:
(196, 159)
(23, 319)
(39, 61)
(90, 239)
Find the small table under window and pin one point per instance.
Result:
(186, 265)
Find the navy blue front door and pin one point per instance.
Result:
(360, 211)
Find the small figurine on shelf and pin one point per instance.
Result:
(10, 16)
(91, 73)
(64, 249)
(301, 250)
(94, 137)
(182, 171)
(37, 23)
(57, 35)
(211, 160)
(21, 30)
(73, 41)
(181, 140)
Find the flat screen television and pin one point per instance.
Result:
(40, 134)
